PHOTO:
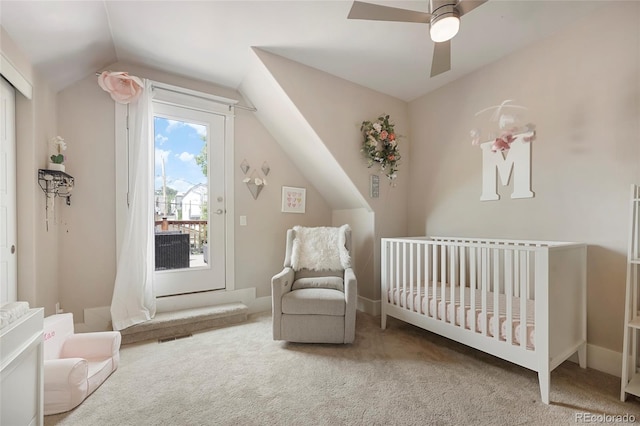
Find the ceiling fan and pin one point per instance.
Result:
(444, 22)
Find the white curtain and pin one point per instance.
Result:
(133, 299)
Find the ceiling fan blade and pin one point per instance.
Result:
(375, 12)
(466, 6)
(441, 58)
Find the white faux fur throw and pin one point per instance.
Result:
(320, 249)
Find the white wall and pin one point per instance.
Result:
(582, 88)
(362, 223)
(35, 125)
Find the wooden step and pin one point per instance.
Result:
(179, 323)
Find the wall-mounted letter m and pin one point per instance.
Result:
(517, 161)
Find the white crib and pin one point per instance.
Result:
(427, 281)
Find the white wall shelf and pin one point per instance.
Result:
(630, 383)
(55, 183)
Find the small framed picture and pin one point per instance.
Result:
(293, 199)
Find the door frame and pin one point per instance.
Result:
(193, 99)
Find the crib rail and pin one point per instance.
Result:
(483, 286)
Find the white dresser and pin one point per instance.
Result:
(21, 370)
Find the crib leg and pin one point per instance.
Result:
(383, 322)
(544, 377)
(582, 355)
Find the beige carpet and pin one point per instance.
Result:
(401, 376)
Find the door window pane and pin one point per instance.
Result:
(181, 194)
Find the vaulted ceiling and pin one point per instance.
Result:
(211, 40)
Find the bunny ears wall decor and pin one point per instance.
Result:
(122, 87)
(254, 182)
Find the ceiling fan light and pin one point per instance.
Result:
(444, 27)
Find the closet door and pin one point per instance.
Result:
(8, 234)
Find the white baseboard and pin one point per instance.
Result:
(201, 300)
(369, 306)
(602, 359)
(260, 304)
(95, 319)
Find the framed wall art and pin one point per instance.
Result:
(293, 199)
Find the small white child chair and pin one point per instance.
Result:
(75, 364)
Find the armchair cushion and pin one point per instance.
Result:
(314, 301)
(334, 283)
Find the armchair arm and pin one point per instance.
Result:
(96, 345)
(60, 373)
(351, 301)
(280, 284)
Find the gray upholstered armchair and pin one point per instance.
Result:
(314, 297)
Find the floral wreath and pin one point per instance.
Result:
(380, 145)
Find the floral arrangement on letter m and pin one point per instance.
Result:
(380, 145)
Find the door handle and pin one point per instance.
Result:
(219, 211)
(13, 248)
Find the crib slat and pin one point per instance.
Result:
(508, 283)
(496, 294)
(473, 286)
(390, 270)
(516, 290)
(434, 267)
(409, 304)
(393, 271)
(427, 263)
(452, 284)
(524, 285)
(418, 303)
(483, 295)
(463, 279)
(397, 272)
(403, 303)
(384, 269)
(516, 273)
(443, 280)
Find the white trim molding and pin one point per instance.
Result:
(371, 307)
(15, 77)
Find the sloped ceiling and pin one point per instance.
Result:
(211, 40)
(296, 136)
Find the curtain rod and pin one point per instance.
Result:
(248, 108)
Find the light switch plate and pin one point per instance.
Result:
(374, 186)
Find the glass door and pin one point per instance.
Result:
(189, 208)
